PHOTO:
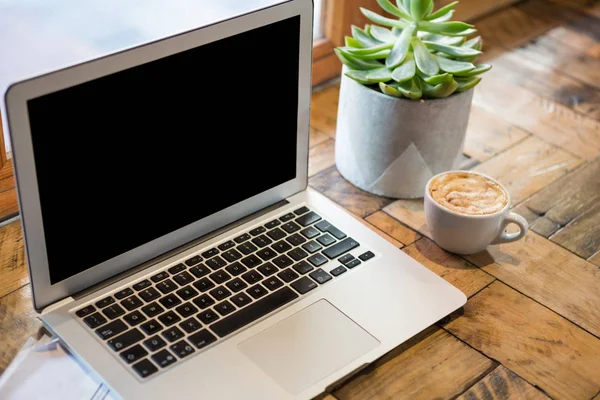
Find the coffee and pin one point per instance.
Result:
(468, 193)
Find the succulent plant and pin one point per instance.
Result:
(422, 55)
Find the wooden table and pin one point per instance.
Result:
(531, 326)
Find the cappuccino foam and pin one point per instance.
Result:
(468, 193)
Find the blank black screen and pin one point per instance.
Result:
(127, 158)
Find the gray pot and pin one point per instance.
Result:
(391, 146)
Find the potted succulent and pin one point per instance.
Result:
(405, 97)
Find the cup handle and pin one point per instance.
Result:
(512, 218)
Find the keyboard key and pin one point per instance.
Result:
(220, 293)
(252, 277)
(346, 258)
(303, 267)
(187, 292)
(340, 248)
(186, 310)
(123, 293)
(149, 294)
(152, 309)
(172, 334)
(166, 286)
(236, 285)
(182, 278)
(240, 299)
(163, 358)
(304, 285)
(134, 354)
(236, 269)
(267, 269)
(262, 241)
(287, 275)
(310, 232)
(125, 340)
(282, 246)
(210, 253)
(111, 329)
(296, 239)
(145, 368)
(204, 284)
(290, 227)
(301, 210)
(257, 231)
(170, 301)
(353, 263)
(266, 254)
(308, 219)
(226, 246)
(320, 276)
(155, 343)
(251, 261)
(151, 327)
(104, 302)
(200, 270)
(287, 217)
(224, 308)
(338, 271)
(182, 349)
(94, 320)
(232, 255)
(366, 256)
(254, 311)
(272, 283)
(272, 224)
(176, 269)
(204, 301)
(325, 226)
(317, 259)
(160, 276)
(142, 285)
(190, 325)
(193, 261)
(202, 339)
(283, 261)
(312, 246)
(134, 318)
(326, 240)
(242, 238)
(85, 311)
(208, 316)
(220, 277)
(247, 248)
(169, 318)
(297, 254)
(276, 234)
(113, 311)
(257, 291)
(216, 263)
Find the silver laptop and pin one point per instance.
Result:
(172, 243)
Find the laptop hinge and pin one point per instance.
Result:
(125, 274)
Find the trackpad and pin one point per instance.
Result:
(308, 346)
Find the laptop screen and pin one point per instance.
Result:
(129, 157)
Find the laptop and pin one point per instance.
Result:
(172, 243)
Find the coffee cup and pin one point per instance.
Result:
(467, 211)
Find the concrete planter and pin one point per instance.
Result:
(391, 146)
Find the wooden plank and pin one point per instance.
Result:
(502, 383)
(18, 321)
(324, 108)
(321, 157)
(561, 14)
(528, 167)
(316, 138)
(469, 10)
(13, 268)
(465, 276)
(595, 259)
(549, 274)
(439, 366)
(360, 203)
(8, 192)
(410, 213)
(392, 240)
(321, 48)
(578, 40)
(325, 69)
(537, 344)
(582, 236)
(393, 228)
(3, 157)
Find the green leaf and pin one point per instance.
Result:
(358, 76)
(436, 79)
(441, 39)
(453, 66)
(382, 34)
(396, 31)
(475, 43)
(442, 11)
(380, 55)
(425, 61)
(374, 49)
(400, 48)
(387, 89)
(392, 9)
(429, 9)
(351, 42)
(466, 32)
(479, 69)
(409, 89)
(466, 84)
(452, 50)
(363, 37)
(378, 19)
(445, 28)
(355, 63)
(418, 8)
(438, 91)
(379, 75)
(444, 18)
(404, 72)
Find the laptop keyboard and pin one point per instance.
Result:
(174, 313)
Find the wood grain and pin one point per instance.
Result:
(393, 228)
(13, 269)
(321, 157)
(392, 240)
(528, 167)
(325, 69)
(410, 213)
(323, 112)
(3, 157)
(8, 192)
(469, 10)
(316, 138)
(595, 259)
(582, 236)
(539, 345)
(439, 366)
(465, 276)
(502, 383)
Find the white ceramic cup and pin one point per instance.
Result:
(469, 234)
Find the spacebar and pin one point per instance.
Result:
(253, 312)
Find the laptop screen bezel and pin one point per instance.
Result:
(45, 293)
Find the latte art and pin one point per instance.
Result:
(468, 193)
